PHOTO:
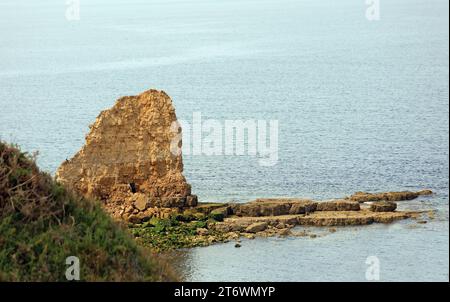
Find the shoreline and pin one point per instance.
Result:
(212, 223)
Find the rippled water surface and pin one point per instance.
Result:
(361, 106)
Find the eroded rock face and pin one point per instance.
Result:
(128, 156)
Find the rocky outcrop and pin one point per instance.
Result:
(256, 227)
(289, 206)
(277, 216)
(388, 196)
(207, 208)
(274, 207)
(319, 218)
(383, 206)
(221, 222)
(129, 160)
(338, 205)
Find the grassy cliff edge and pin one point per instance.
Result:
(42, 223)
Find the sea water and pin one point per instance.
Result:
(361, 101)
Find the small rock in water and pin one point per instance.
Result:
(425, 192)
(422, 221)
(237, 245)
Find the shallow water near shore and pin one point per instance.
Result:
(361, 106)
(330, 257)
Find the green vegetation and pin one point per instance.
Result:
(217, 215)
(180, 231)
(42, 223)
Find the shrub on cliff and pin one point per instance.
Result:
(42, 223)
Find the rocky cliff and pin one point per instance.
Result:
(127, 160)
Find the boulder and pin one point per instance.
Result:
(425, 192)
(232, 236)
(254, 209)
(224, 211)
(216, 215)
(388, 196)
(256, 227)
(202, 231)
(275, 207)
(140, 202)
(338, 205)
(191, 201)
(302, 207)
(248, 209)
(222, 227)
(383, 206)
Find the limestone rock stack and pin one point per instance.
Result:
(129, 160)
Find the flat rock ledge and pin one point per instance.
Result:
(283, 217)
(388, 196)
(328, 219)
(278, 216)
(292, 211)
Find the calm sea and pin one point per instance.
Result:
(361, 105)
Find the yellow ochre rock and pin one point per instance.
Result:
(130, 150)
